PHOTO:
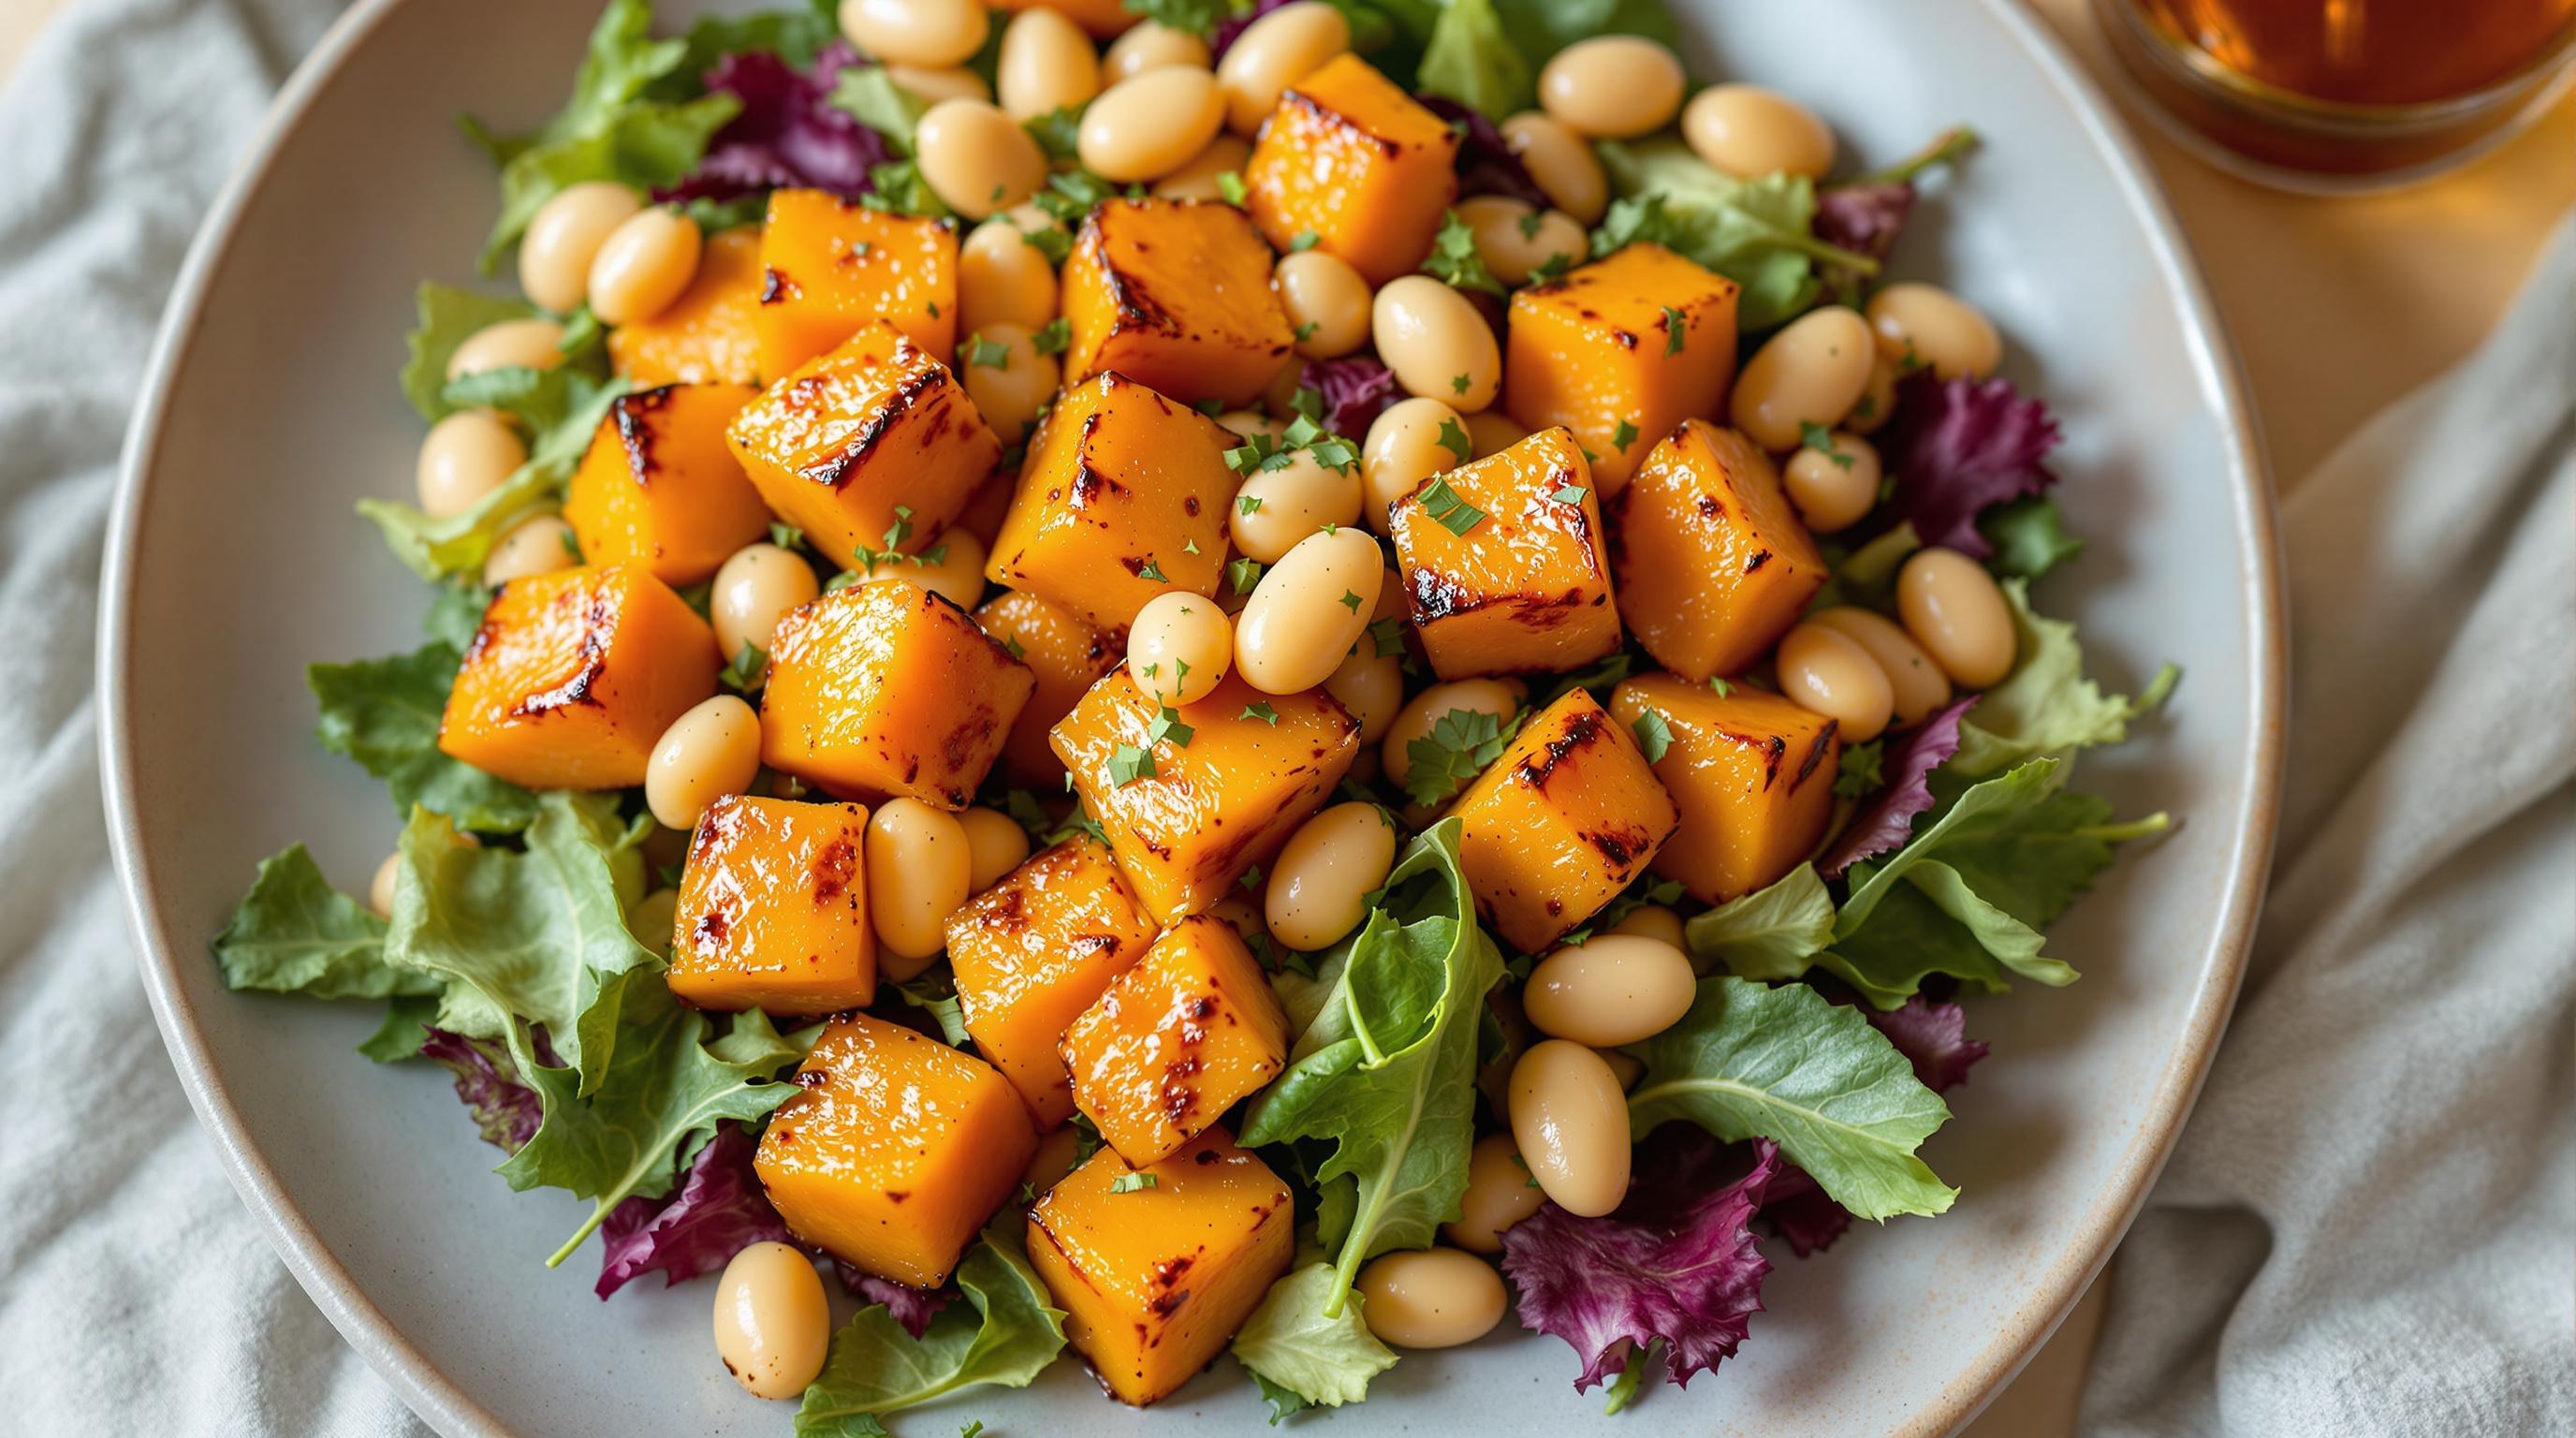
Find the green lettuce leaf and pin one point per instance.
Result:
(533, 937)
(1303, 1356)
(1386, 1071)
(2046, 705)
(295, 934)
(405, 1029)
(876, 1368)
(871, 95)
(562, 408)
(794, 35)
(2029, 537)
(1753, 1061)
(448, 317)
(456, 614)
(1543, 27)
(384, 713)
(1771, 933)
(1754, 232)
(661, 1093)
(1471, 60)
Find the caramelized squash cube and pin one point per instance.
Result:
(1175, 295)
(895, 1151)
(1352, 160)
(574, 675)
(1713, 563)
(1595, 350)
(1172, 1044)
(1032, 952)
(1123, 497)
(828, 266)
(1156, 1267)
(1751, 774)
(886, 689)
(1568, 817)
(773, 910)
(1100, 19)
(711, 333)
(872, 446)
(1187, 822)
(1067, 655)
(658, 486)
(1525, 587)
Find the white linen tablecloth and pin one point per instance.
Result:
(2371, 1224)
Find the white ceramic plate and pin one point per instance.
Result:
(235, 559)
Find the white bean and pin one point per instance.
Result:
(1612, 87)
(1500, 1193)
(510, 344)
(644, 265)
(1319, 883)
(1307, 612)
(1179, 646)
(1410, 441)
(463, 458)
(755, 587)
(1836, 487)
(1749, 132)
(711, 750)
(1925, 326)
(565, 235)
(1954, 609)
(1327, 303)
(1276, 509)
(772, 1323)
(538, 545)
(1047, 64)
(916, 32)
(976, 158)
(1612, 989)
(1826, 672)
(1570, 1119)
(1436, 342)
(920, 869)
(995, 845)
(1561, 163)
(1918, 683)
(1435, 1298)
(1812, 372)
(1002, 279)
(1146, 127)
(1275, 52)
(1150, 45)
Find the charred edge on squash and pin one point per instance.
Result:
(1815, 753)
(1334, 122)
(923, 386)
(630, 414)
(1580, 731)
(598, 632)
(776, 288)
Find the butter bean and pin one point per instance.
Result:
(1327, 303)
(1275, 52)
(711, 750)
(772, 1322)
(1308, 611)
(1150, 45)
(1919, 685)
(1925, 326)
(1749, 132)
(1317, 888)
(1276, 509)
(1179, 647)
(644, 265)
(465, 457)
(977, 158)
(1500, 1193)
(1046, 64)
(1436, 342)
(1812, 372)
(995, 845)
(510, 344)
(916, 32)
(920, 869)
(1570, 1120)
(1826, 672)
(1833, 488)
(1435, 1298)
(1561, 163)
(539, 545)
(1612, 87)
(755, 586)
(1954, 609)
(565, 235)
(1146, 127)
(1612, 989)
(1405, 446)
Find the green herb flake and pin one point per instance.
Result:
(1446, 505)
(1153, 571)
(1624, 436)
(990, 354)
(1166, 724)
(1242, 574)
(787, 536)
(1129, 764)
(1453, 752)
(1052, 337)
(1304, 242)
(1455, 439)
(1571, 494)
(1229, 183)
(1654, 736)
(1676, 330)
(1261, 711)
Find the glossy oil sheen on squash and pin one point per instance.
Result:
(1174, 294)
(872, 446)
(1032, 952)
(1154, 1280)
(1751, 774)
(1713, 563)
(1527, 587)
(1594, 351)
(1186, 832)
(829, 265)
(574, 675)
(1564, 820)
(1176, 1040)
(1352, 160)
(659, 487)
(773, 911)
(711, 333)
(895, 1151)
(1122, 498)
(886, 689)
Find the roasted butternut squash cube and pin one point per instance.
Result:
(1175, 1040)
(773, 909)
(1596, 350)
(1100, 19)
(1032, 952)
(658, 486)
(1067, 655)
(872, 446)
(895, 1151)
(574, 675)
(1122, 498)
(1175, 295)
(885, 689)
(1155, 1276)
(828, 266)
(1713, 563)
(1553, 830)
(1352, 160)
(1751, 774)
(711, 333)
(1187, 822)
(1503, 564)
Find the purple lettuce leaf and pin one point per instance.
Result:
(1231, 28)
(1355, 389)
(506, 1111)
(1864, 218)
(1797, 1212)
(1486, 164)
(1885, 819)
(909, 1306)
(788, 132)
(1958, 447)
(1934, 1039)
(718, 1210)
(1675, 1261)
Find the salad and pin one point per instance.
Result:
(1180, 679)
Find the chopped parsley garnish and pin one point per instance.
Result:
(991, 354)
(1859, 773)
(1167, 724)
(1154, 572)
(1229, 183)
(1242, 574)
(1304, 242)
(1624, 436)
(787, 536)
(1247, 504)
(1676, 330)
(1552, 268)
(1129, 764)
(1531, 224)
(1011, 642)
(1458, 747)
(1571, 494)
(1444, 504)
(1388, 635)
(1261, 711)
(1719, 683)
(1455, 439)
(1307, 330)
(1453, 259)
(1820, 439)
(1654, 736)
(748, 671)
(1458, 383)
(1131, 1183)
(1335, 453)
(1251, 877)
(1053, 336)
(1350, 601)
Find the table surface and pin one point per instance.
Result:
(2394, 288)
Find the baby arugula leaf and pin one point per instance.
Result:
(384, 713)
(295, 934)
(662, 1090)
(2046, 705)
(1301, 1355)
(533, 937)
(1386, 1071)
(876, 1368)
(1753, 1061)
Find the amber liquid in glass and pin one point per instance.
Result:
(2369, 52)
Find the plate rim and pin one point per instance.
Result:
(444, 1404)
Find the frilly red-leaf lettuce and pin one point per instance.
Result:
(1864, 219)
(718, 1211)
(788, 132)
(1486, 164)
(1886, 817)
(1356, 388)
(909, 1306)
(506, 1110)
(1958, 447)
(1933, 1037)
(1675, 1261)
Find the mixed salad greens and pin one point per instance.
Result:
(1795, 1094)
